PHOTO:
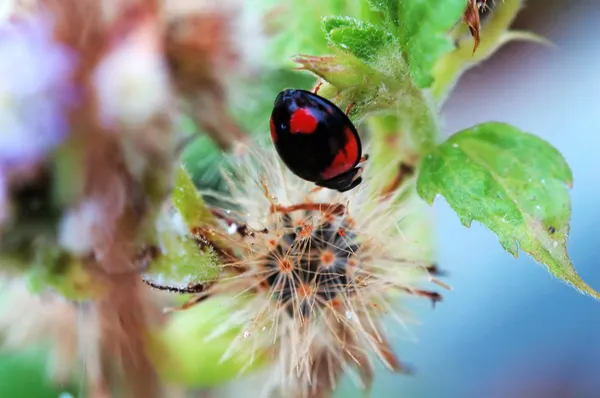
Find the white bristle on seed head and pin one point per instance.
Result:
(323, 277)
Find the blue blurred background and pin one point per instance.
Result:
(509, 329)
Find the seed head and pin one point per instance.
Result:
(322, 270)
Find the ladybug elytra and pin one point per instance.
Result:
(316, 140)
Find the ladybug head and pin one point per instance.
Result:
(285, 98)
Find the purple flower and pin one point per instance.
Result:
(3, 198)
(35, 90)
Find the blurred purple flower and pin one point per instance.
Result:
(3, 198)
(35, 91)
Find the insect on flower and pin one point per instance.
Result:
(316, 140)
(318, 269)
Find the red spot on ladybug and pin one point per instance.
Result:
(316, 140)
(344, 159)
(303, 121)
(273, 131)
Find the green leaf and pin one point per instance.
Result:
(23, 374)
(514, 183)
(331, 23)
(389, 9)
(423, 32)
(182, 261)
(189, 202)
(297, 25)
(185, 353)
(361, 39)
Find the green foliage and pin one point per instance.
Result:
(418, 30)
(65, 274)
(514, 183)
(422, 30)
(296, 24)
(23, 374)
(188, 201)
(182, 258)
(384, 67)
(361, 39)
(381, 65)
(183, 353)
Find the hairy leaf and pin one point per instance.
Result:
(514, 183)
(361, 39)
(389, 9)
(423, 31)
(189, 202)
(184, 259)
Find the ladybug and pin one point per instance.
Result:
(316, 140)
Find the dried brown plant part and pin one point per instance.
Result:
(125, 313)
(471, 18)
(405, 171)
(199, 51)
(325, 375)
(435, 297)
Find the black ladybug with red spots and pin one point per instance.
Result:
(316, 140)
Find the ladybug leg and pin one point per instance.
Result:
(317, 87)
(364, 158)
(350, 107)
(344, 182)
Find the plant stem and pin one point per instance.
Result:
(451, 66)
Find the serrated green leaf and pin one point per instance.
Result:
(514, 183)
(389, 8)
(331, 23)
(361, 39)
(423, 31)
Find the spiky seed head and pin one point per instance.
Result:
(323, 268)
